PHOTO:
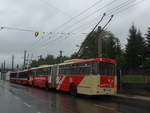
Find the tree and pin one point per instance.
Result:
(135, 48)
(148, 42)
(147, 55)
(110, 45)
(89, 46)
(50, 59)
(34, 63)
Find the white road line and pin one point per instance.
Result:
(38, 112)
(105, 107)
(28, 105)
(16, 97)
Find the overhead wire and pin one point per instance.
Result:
(107, 4)
(132, 5)
(128, 1)
(127, 8)
(82, 12)
(92, 13)
(52, 6)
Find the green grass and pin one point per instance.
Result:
(133, 79)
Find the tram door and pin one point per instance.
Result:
(54, 75)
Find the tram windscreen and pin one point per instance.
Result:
(106, 68)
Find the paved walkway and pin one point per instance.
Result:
(134, 97)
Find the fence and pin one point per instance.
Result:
(134, 79)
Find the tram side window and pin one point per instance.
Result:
(33, 72)
(38, 72)
(74, 69)
(43, 72)
(67, 69)
(61, 69)
(94, 68)
(13, 75)
(46, 71)
(22, 75)
(85, 68)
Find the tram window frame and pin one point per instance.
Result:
(34, 73)
(106, 69)
(94, 68)
(13, 75)
(83, 70)
(22, 75)
(67, 69)
(43, 72)
(74, 69)
(61, 70)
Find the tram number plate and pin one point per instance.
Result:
(107, 89)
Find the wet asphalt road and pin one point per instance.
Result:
(16, 98)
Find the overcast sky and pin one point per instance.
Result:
(47, 17)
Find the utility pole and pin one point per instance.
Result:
(27, 61)
(1, 67)
(17, 67)
(12, 62)
(100, 42)
(4, 65)
(24, 63)
(91, 34)
(100, 37)
(61, 56)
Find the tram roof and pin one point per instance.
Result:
(89, 60)
(23, 70)
(42, 66)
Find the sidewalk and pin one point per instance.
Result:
(141, 101)
(134, 97)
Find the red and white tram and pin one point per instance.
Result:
(96, 76)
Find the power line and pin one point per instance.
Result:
(86, 16)
(81, 13)
(52, 6)
(94, 12)
(16, 29)
(130, 6)
(114, 8)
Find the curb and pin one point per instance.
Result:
(138, 101)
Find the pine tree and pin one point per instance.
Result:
(135, 48)
(148, 42)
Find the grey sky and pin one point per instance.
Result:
(47, 15)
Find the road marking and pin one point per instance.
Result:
(38, 112)
(112, 109)
(28, 105)
(16, 97)
(105, 107)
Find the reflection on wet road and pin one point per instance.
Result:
(23, 99)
